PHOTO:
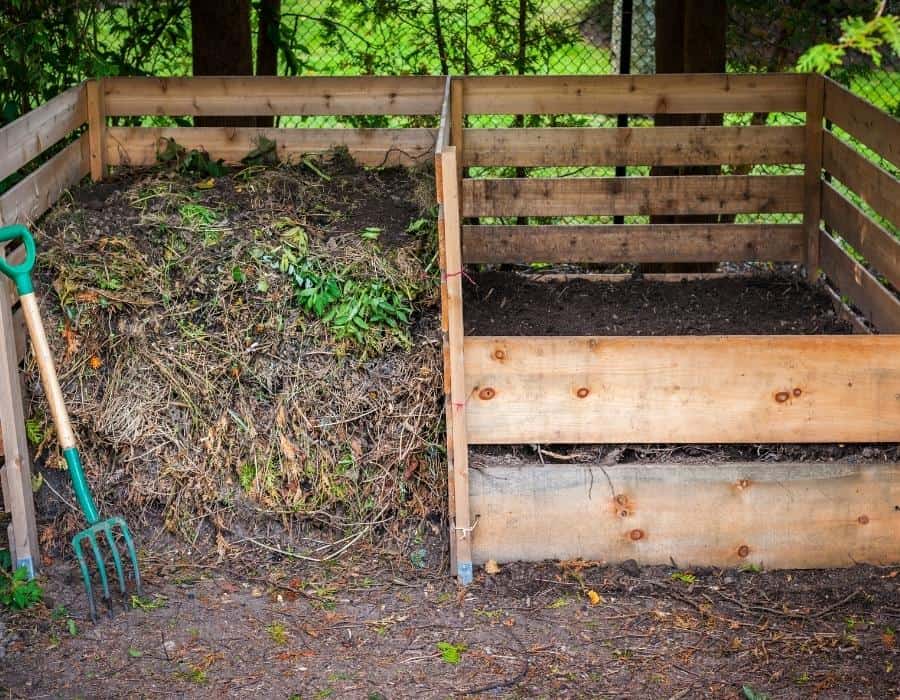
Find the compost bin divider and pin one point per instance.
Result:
(449, 174)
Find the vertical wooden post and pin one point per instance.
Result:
(457, 124)
(456, 407)
(15, 474)
(97, 128)
(812, 189)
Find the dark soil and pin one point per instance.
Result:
(375, 629)
(507, 303)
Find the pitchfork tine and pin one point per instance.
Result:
(85, 574)
(132, 552)
(117, 560)
(101, 568)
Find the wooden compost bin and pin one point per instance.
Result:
(512, 390)
(677, 389)
(78, 151)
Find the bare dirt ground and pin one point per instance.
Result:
(371, 629)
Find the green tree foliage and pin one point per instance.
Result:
(867, 38)
(48, 45)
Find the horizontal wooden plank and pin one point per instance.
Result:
(878, 188)
(860, 325)
(636, 94)
(27, 137)
(27, 200)
(864, 121)
(873, 242)
(629, 276)
(671, 145)
(865, 292)
(370, 147)
(776, 515)
(633, 243)
(250, 96)
(688, 194)
(703, 389)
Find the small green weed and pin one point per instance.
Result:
(35, 430)
(17, 591)
(685, 577)
(751, 694)
(147, 604)
(193, 674)
(451, 653)
(247, 475)
(370, 233)
(278, 633)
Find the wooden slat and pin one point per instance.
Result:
(878, 188)
(96, 128)
(778, 515)
(704, 389)
(864, 121)
(812, 175)
(443, 135)
(636, 94)
(845, 312)
(672, 145)
(866, 293)
(456, 406)
(31, 134)
(875, 244)
(31, 197)
(689, 194)
(251, 96)
(633, 243)
(371, 147)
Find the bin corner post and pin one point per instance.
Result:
(15, 474)
(96, 102)
(458, 448)
(812, 173)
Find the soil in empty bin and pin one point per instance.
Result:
(508, 303)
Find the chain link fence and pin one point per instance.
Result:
(558, 37)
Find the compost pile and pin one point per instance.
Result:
(247, 354)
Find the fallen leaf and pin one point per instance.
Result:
(71, 338)
(595, 597)
(491, 567)
(206, 184)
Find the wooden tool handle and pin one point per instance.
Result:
(48, 370)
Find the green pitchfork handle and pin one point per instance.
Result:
(21, 275)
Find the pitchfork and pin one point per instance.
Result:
(111, 528)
